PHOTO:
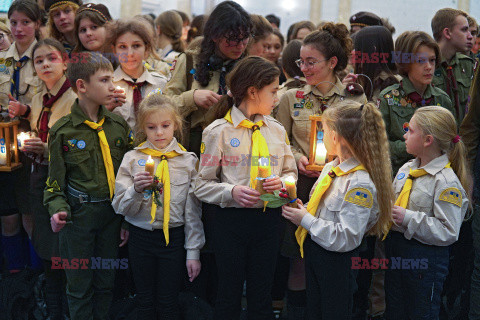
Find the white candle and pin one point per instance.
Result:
(320, 153)
(21, 137)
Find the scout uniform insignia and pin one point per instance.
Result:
(173, 65)
(405, 127)
(52, 186)
(390, 102)
(309, 104)
(395, 92)
(118, 142)
(234, 142)
(414, 105)
(401, 176)
(72, 143)
(387, 96)
(451, 195)
(403, 102)
(81, 144)
(142, 162)
(297, 106)
(299, 95)
(296, 113)
(360, 196)
(202, 148)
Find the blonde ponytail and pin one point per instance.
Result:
(440, 123)
(363, 129)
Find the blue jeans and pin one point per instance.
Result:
(413, 287)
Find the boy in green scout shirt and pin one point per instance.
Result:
(86, 148)
(455, 73)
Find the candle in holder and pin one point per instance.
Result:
(320, 151)
(150, 166)
(263, 172)
(291, 189)
(21, 137)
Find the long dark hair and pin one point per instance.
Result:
(369, 41)
(290, 54)
(228, 19)
(29, 8)
(252, 71)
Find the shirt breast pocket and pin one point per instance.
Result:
(401, 115)
(79, 165)
(333, 204)
(301, 120)
(421, 200)
(179, 187)
(277, 155)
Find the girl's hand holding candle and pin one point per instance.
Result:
(291, 190)
(34, 145)
(263, 172)
(21, 137)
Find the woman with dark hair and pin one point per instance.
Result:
(196, 27)
(302, 29)
(261, 44)
(373, 47)
(198, 79)
(90, 29)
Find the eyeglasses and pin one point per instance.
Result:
(308, 64)
(234, 42)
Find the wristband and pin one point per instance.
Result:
(27, 113)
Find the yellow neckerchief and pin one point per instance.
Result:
(163, 176)
(107, 157)
(320, 190)
(404, 196)
(259, 146)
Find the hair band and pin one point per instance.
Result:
(456, 139)
(94, 10)
(53, 6)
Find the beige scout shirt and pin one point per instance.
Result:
(60, 108)
(29, 83)
(167, 54)
(340, 221)
(437, 203)
(183, 99)
(225, 160)
(295, 116)
(154, 81)
(185, 209)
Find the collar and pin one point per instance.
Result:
(13, 53)
(58, 85)
(408, 87)
(78, 117)
(119, 74)
(338, 88)
(165, 51)
(434, 166)
(172, 146)
(238, 116)
(347, 165)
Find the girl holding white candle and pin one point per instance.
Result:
(245, 238)
(133, 44)
(165, 219)
(352, 197)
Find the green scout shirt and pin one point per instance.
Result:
(463, 71)
(470, 129)
(397, 109)
(76, 156)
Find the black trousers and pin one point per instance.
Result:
(246, 244)
(330, 282)
(158, 271)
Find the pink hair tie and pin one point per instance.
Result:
(456, 139)
(229, 93)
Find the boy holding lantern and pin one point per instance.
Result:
(86, 148)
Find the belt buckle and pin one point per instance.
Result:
(83, 198)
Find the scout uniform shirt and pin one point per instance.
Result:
(185, 208)
(225, 157)
(152, 81)
(462, 67)
(76, 156)
(347, 210)
(436, 206)
(60, 108)
(167, 54)
(29, 83)
(397, 109)
(470, 129)
(297, 105)
(182, 96)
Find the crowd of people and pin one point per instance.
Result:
(167, 156)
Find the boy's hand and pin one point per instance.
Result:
(34, 145)
(58, 221)
(124, 235)
(272, 184)
(193, 268)
(245, 196)
(141, 181)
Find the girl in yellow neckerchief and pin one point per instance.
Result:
(430, 205)
(154, 191)
(352, 196)
(245, 151)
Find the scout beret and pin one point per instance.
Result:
(365, 19)
(52, 4)
(98, 8)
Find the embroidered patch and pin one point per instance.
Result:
(81, 144)
(173, 65)
(297, 105)
(296, 113)
(387, 96)
(118, 142)
(202, 148)
(390, 102)
(360, 196)
(8, 63)
(401, 176)
(309, 104)
(72, 143)
(378, 103)
(52, 186)
(395, 92)
(234, 142)
(131, 138)
(451, 195)
(405, 127)
(142, 162)
(65, 148)
(299, 95)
